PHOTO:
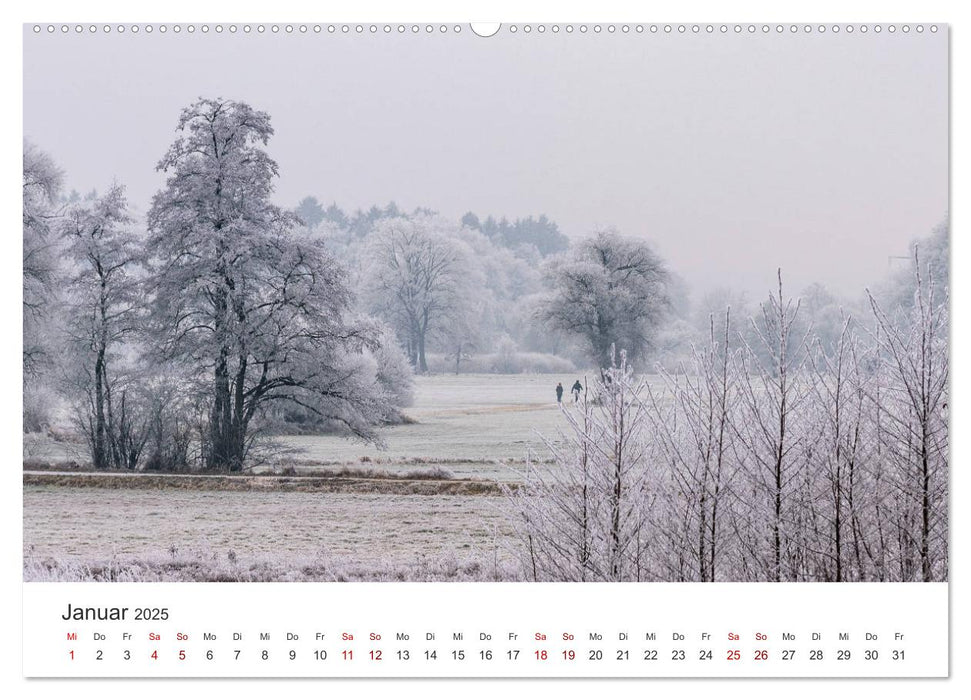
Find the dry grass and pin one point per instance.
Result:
(346, 480)
(349, 472)
(182, 534)
(322, 509)
(230, 567)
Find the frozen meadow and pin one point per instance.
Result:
(184, 358)
(473, 426)
(480, 426)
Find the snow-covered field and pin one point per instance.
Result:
(465, 424)
(220, 530)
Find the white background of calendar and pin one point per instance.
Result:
(442, 10)
(477, 630)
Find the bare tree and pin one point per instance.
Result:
(585, 517)
(42, 182)
(254, 315)
(419, 281)
(691, 425)
(913, 408)
(608, 291)
(768, 446)
(837, 456)
(102, 316)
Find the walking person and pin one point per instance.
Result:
(559, 392)
(576, 389)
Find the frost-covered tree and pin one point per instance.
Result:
(585, 518)
(912, 406)
(102, 315)
(794, 457)
(607, 291)
(254, 314)
(690, 421)
(42, 182)
(772, 391)
(896, 294)
(418, 280)
(495, 286)
(393, 372)
(837, 456)
(310, 212)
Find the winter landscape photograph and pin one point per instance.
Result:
(403, 303)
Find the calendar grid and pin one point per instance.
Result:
(513, 630)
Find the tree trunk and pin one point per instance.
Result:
(219, 429)
(99, 452)
(422, 363)
(238, 432)
(615, 505)
(925, 508)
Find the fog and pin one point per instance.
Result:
(732, 154)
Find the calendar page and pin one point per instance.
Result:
(574, 350)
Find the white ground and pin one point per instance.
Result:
(466, 424)
(94, 524)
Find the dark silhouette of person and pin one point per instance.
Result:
(559, 392)
(576, 389)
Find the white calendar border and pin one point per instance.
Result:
(441, 10)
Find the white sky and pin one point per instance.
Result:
(733, 154)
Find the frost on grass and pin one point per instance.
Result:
(176, 566)
(111, 534)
